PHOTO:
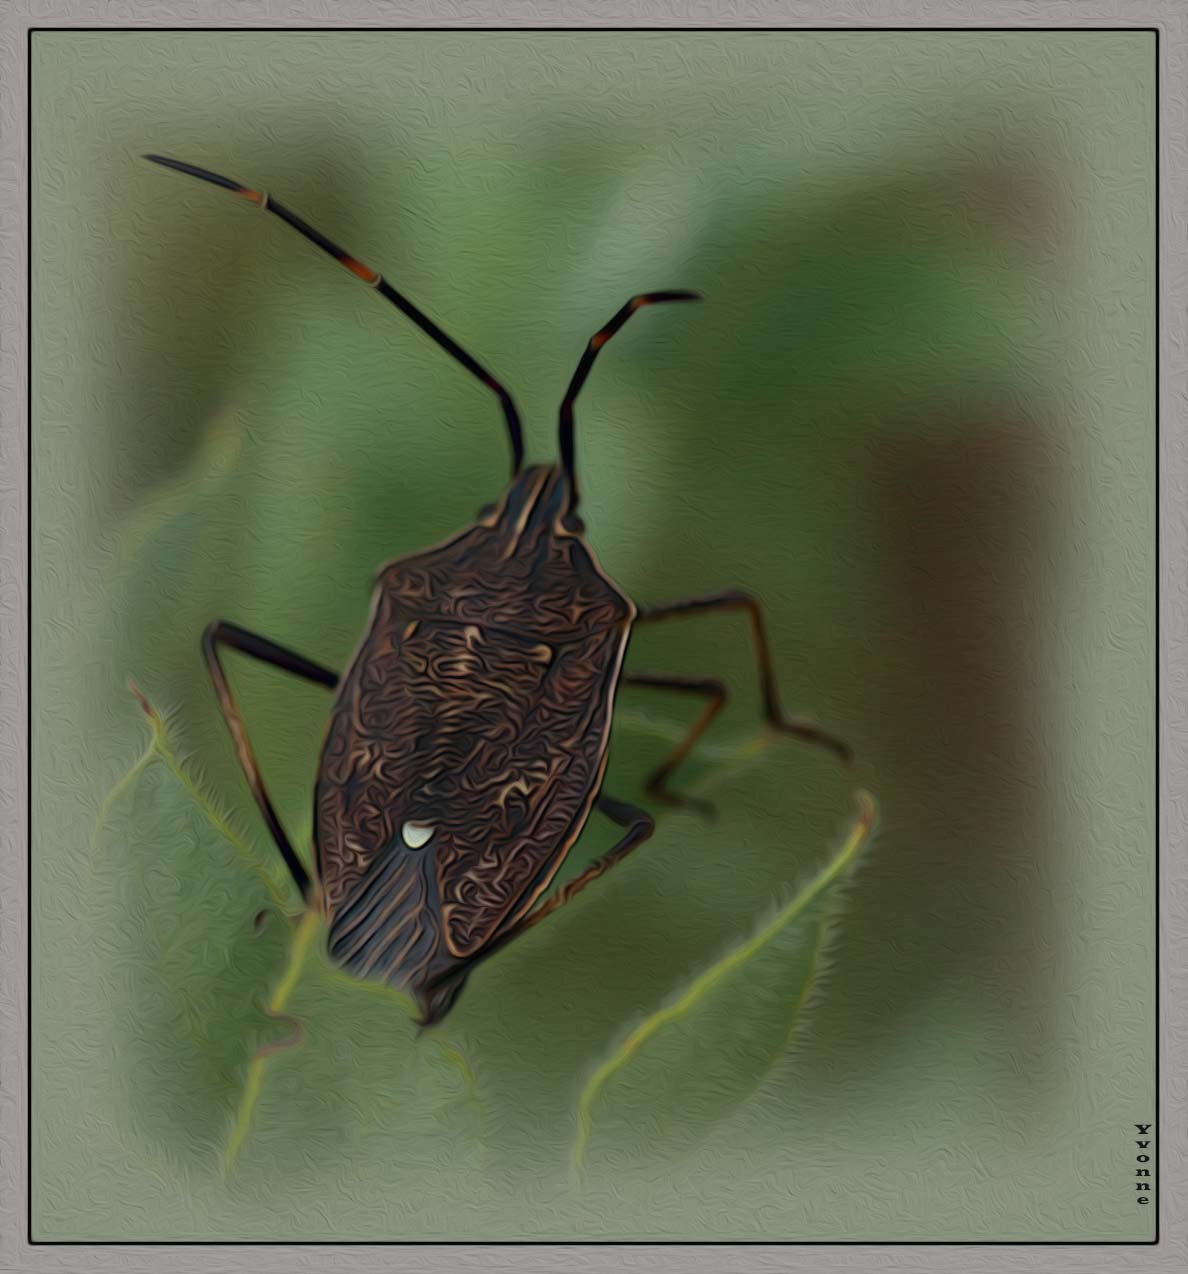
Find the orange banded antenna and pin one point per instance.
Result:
(373, 279)
(597, 341)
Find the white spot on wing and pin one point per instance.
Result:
(416, 834)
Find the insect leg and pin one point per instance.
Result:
(715, 691)
(639, 824)
(219, 634)
(737, 600)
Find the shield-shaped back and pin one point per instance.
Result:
(468, 739)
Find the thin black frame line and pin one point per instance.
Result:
(626, 1242)
(29, 632)
(34, 1242)
(1158, 567)
(580, 30)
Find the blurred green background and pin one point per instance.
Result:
(915, 413)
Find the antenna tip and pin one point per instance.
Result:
(658, 298)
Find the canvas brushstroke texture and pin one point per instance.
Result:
(914, 413)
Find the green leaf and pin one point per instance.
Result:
(692, 1061)
(233, 1031)
(243, 1047)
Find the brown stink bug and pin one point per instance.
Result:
(468, 739)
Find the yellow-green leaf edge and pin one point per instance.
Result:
(858, 836)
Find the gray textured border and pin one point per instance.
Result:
(1172, 20)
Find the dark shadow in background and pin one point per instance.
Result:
(963, 749)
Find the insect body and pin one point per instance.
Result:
(468, 739)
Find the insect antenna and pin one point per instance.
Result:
(597, 341)
(373, 279)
